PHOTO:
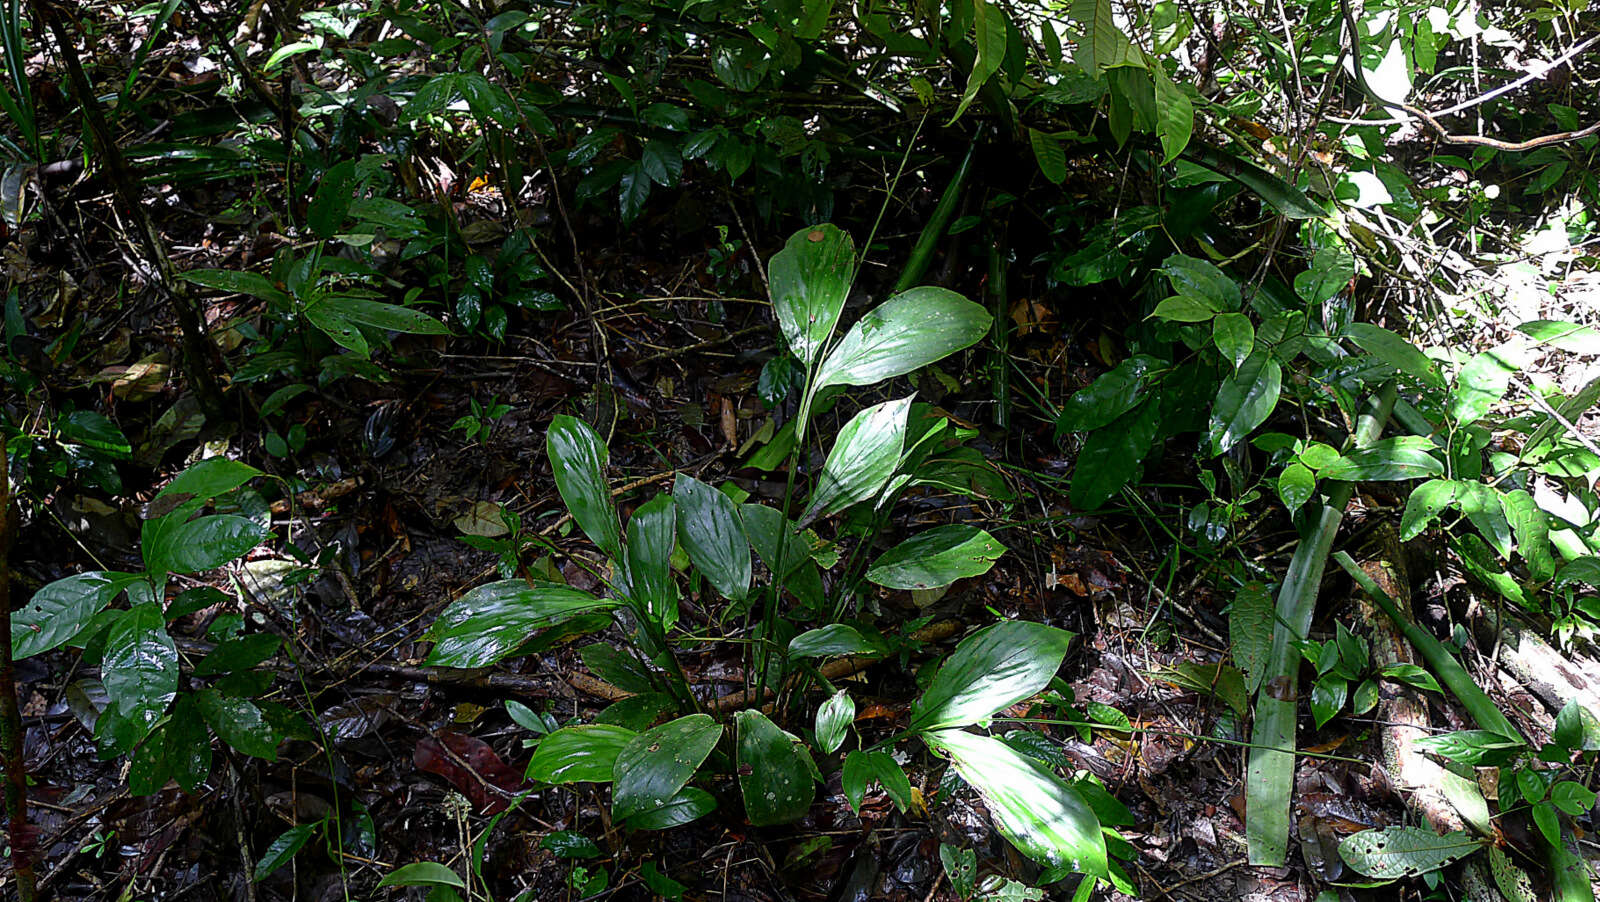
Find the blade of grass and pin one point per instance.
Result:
(934, 229)
(1270, 774)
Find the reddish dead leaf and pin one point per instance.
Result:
(1072, 583)
(478, 780)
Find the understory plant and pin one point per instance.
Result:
(662, 774)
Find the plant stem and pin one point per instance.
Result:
(16, 785)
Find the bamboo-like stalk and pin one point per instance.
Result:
(1269, 780)
(933, 230)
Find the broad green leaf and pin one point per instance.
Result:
(1579, 570)
(690, 804)
(833, 639)
(1398, 852)
(1108, 397)
(1572, 798)
(61, 609)
(331, 203)
(834, 717)
(1182, 308)
(204, 544)
(422, 873)
(1481, 503)
(1387, 460)
(810, 281)
(936, 558)
(191, 489)
(284, 848)
(769, 530)
(633, 189)
(1331, 270)
(1288, 200)
(585, 753)
(1174, 115)
(991, 670)
(1411, 675)
(253, 284)
(1296, 485)
(1234, 337)
(863, 768)
(344, 331)
(188, 744)
(813, 19)
(1250, 620)
(617, 666)
(239, 723)
(656, 764)
(652, 536)
(1047, 150)
(1033, 808)
(379, 315)
(1102, 44)
(578, 458)
(1531, 526)
(909, 331)
(140, 669)
(149, 768)
(93, 430)
(1427, 501)
(708, 527)
(1202, 280)
(1484, 379)
(1111, 456)
(989, 38)
(1476, 748)
(774, 771)
(1169, 25)
(1395, 351)
(1221, 680)
(570, 844)
(488, 623)
(1328, 695)
(1566, 336)
(1245, 400)
(1577, 728)
(862, 460)
(1544, 817)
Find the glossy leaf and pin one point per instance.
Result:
(709, 528)
(188, 744)
(578, 459)
(1245, 400)
(1105, 399)
(990, 670)
(1395, 351)
(657, 763)
(864, 768)
(422, 873)
(1202, 280)
(1174, 115)
(936, 558)
(284, 848)
(204, 544)
(1111, 456)
(1427, 501)
(833, 639)
(585, 753)
(774, 771)
(1234, 337)
(906, 332)
(652, 536)
(1482, 382)
(1390, 459)
(1033, 808)
(239, 723)
(810, 280)
(989, 38)
(690, 804)
(1296, 485)
(1481, 503)
(1332, 268)
(1472, 747)
(140, 670)
(863, 458)
(834, 717)
(61, 609)
(488, 623)
(1397, 852)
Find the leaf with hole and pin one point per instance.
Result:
(1427, 501)
(1396, 852)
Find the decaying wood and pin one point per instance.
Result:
(1554, 677)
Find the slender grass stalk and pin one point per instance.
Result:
(1269, 780)
(934, 229)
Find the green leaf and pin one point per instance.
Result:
(1328, 696)
(652, 536)
(578, 458)
(331, 203)
(1033, 808)
(1390, 459)
(85, 427)
(1296, 485)
(1331, 270)
(1234, 337)
(284, 848)
(1483, 381)
(1572, 798)
(1047, 150)
(833, 639)
(1544, 817)
(989, 38)
(488, 623)
(1174, 115)
(862, 460)
(237, 653)
(617, 667)
(345, 332)
(61, 609)
(936, 558)
(834, 717)
(863, 768)
(239, 723)
(1182, 308)
(422, 873)
(990, 670)
(1245, 400)
(1566, 336)
(1413, 675)
(204, 544)
(1531, 526)
(657, 763)
(1395, 351)
(1111, 456)
(1577, 728)
(1427, 501)
(1102, 44)
(633, 189)
(708, 527)
(909, 331)
(810, 280)
(1288, 200)
(570, 844)
(1481, 503)
(1399, 852)
(1250, 621)
(586, 753)
(253, 284)
(1203, 281)
(774, 771)
(140, 669)
(1472, 747)
(188, 745)
(378, 315)
(1108, 397)
(691, 803)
